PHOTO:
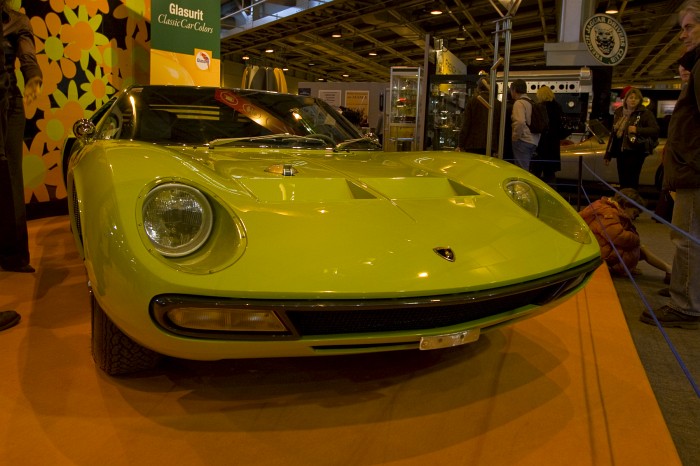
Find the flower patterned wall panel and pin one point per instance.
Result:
(87, 49)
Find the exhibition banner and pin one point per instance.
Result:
(185, 42)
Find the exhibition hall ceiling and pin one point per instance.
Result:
(377, 35)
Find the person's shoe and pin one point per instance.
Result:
(8, 319)
(18, 268)
(665, 292)
(669, 317)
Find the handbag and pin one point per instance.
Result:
(644, 144)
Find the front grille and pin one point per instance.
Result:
(408, 315)
(335, 317)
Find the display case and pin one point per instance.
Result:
(403, 109)
(448, 98)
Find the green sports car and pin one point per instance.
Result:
(219, 223)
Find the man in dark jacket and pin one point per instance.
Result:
(475, 122)
(682, 175)
(18, 46)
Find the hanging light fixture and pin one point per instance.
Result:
(611, 9)
(511, 6)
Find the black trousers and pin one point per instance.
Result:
(629, 167)
(14, 242)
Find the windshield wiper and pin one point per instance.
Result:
(284, 138)
(345, 145)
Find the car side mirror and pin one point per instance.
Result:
(84, 129)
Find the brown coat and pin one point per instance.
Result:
(612, 227)
(475, 122)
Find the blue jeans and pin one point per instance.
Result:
(685, 276)
(523, 152)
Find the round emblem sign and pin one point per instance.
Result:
(605, 39)
(203, 61)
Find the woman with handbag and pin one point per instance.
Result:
(635, 134)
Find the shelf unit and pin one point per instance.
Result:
(403, 116)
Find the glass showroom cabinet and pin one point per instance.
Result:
(402, 120)
(448, 97)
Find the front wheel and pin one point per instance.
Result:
(113, 351)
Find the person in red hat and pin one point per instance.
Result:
(632, 124)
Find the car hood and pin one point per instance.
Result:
(359, 224)
(307, 176)
(372, 214)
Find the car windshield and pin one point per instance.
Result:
(598, 130)
(228, 117)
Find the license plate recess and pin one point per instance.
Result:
(449, 339)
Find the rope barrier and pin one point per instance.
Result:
(673, 349)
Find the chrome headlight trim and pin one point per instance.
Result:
(550, 209)
(177, 219)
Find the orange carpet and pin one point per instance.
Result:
(563, 388)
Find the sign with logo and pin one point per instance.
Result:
(605, 39)
(185, 42)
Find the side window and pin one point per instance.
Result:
(110, 128)
(123, 122)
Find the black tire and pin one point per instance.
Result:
(113, 351)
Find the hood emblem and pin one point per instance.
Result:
(284, 169)
(445, 253)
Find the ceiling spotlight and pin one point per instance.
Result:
(373, 54)
(337, 35)
(245, 57)
(285, 69)
(479, 59)
(346, 75)
(269, 51)
(611, 9)
(435, 12)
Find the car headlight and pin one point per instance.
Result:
(523, 194)
(552, 210)
(177, 219)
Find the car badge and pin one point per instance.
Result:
(445, 253)
(286, 169)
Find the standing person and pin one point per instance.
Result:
(664, 206)
(682, 175)
(632, 120)
(7, 318)
(507, 130)
(548, 159)
(18, 44)
(524, 142)
(475, 121)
